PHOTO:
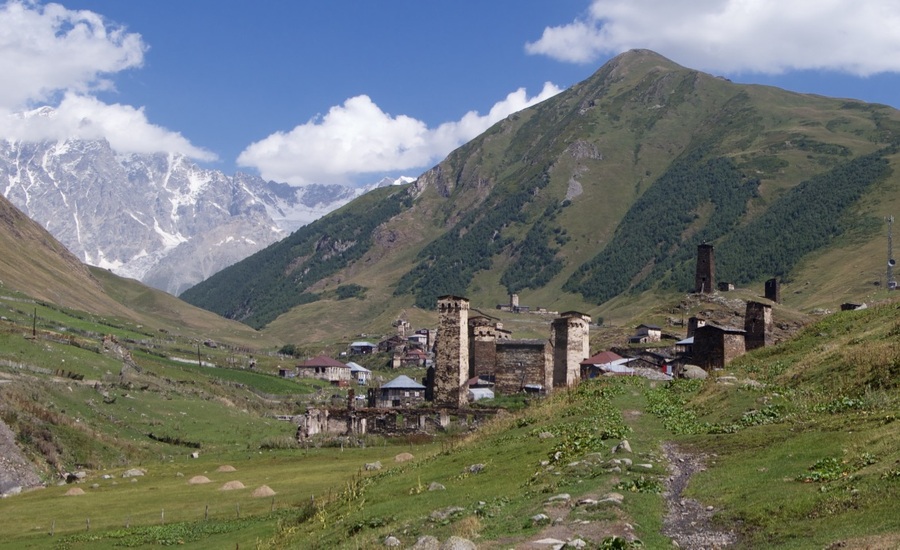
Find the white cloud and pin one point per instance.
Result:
(359, 138)
(83, 117)
(735, 36)
(51, 54)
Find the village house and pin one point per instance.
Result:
(646, 334)
(392, 344)
(605, 363)
(325, 368)
(418, 339)
(359, 373)
(414, 358)
(715, 346)
(362, 348)
(402, 391)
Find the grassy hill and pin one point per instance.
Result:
(599, 194)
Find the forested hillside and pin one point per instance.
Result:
(602, 191)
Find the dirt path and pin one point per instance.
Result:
(688, 522)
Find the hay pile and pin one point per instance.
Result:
(197, 480)
(231, 485)
(263, 491)
(226, 468)
(74, 491)
(403, 457)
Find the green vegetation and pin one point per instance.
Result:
(276, 279)
(696, 200)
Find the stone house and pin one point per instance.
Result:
(645, 334)
(324, 368)
(402, 391)
(715, 346)
(392, 344)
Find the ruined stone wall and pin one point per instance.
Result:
(342, 422)
(452, 352)
(758, 325)
(571, 345)
(521, 363)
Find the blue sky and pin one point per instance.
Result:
(348, 91)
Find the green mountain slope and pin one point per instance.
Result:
(603, 191)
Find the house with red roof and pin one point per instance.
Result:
(325, 368)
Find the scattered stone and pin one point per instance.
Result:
(611, 498)
(392, 541)
(198, 480)
(444, 513)
(177, 474)
(693, 372)
(106, 476)
(134, 480)
(403, 457)
(475, 468)
(622, 447)
(232, 485)
(576, 543)
(458, 543)
(262, 491)
(642, 467)
(195, 454)
(562, 497)
(435, 486)
(426, 542)
(626, 462)
(586, 501)
(134, 472)
(95, 486)
(545, 435)
(372, 466)
(540, 519)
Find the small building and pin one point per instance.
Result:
(476, 394)
(414, 357)
(402, 391)
(359, 373)
(392, 344)
(418, 339)
(522, 363)
(363, 348)
(603, 363)
(324, 368)
(646, 334)
(715, 346)
(685, 348)
(284, 372)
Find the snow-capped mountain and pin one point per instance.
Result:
(158, 218)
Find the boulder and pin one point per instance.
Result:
(693, 372)
(458, 543)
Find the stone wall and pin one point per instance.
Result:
(521, 363)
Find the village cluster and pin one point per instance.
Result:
(471, 356)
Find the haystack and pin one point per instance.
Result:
(403, 457)
(263, 491)
(197, 480)
(74, 491)
(226, 468)
(231, 485)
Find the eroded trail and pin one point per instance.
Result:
(688, 522)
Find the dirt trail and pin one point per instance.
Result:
(688, 522)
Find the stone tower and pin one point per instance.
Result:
(569, 335)
(705, 279)
(757, 325)
(773, 290)
(451, 369)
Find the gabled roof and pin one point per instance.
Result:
(685, 342)
(322, 361)
(403, 382)
(602, 358)
(356, 367)
(649, 327)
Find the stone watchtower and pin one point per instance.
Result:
(773, 290)
(705, 279)
(569, 335)
(451, 368)
(758, 326)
